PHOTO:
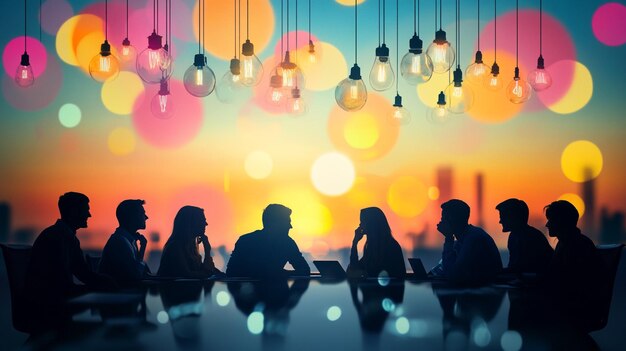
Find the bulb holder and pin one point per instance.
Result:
(235, 66)
(495, 69)
(199, 60)
(415, 44)
(355, 72)
(478, 58)
(397, 101)
(163, 88)
(458, 77)
(276, 81)
(441, 98)
(295, 93)
(440, 37)
(105, 49)
(287, 64)
(382, 52)
(155, 41)
(540, 63)
(311, 47)
(247, 48)
(25, 61)
(126, 42)
(516, 77)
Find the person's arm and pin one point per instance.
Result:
(207, 264)
(449, 255)
(82, 271)
(355, 268)
(142, 247)
(234, 265)
(124, 265)
(299, 264)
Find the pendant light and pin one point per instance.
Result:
(400, 114)
(381, 74)
(460, 96)
(477, 71)
(493, 81)
(416, 66)
(518, 91)
(129, 53)
(351, 93)
(440, 50)
(539, 78)
(439, 113)
(312, 53)
(275, 95)
(24, 76)
(252, 67)
(199, 79)
(295, 103)
(104, 65)
(162, 104)
(290, 71)
(154, 60)
(230, 86)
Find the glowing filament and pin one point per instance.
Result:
(493, 81)
(199, 77)
(235, 78)
(24, 74)
(105, 64)
(276, 95)
(540, 78)
(125, 50)
(354, 92)
(381, 75)
(440, 111)
(440, 54)
(312, 58)
(517, 90)
(457, 92)
(397, 113)
(163, 102)
(153, 59)
(296, 105)
(288, 78)
(248, 68)
(415, 65)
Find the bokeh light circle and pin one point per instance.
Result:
(433, 193)
(407, 196)
(575, 200)
(608, 24)
(69, 115)
(119, 95)
(72, 32)
(12, 55)
(330, 67)
(349, 2)
(310, 217)
(54, 13)
(121, 141)
(258, 164)
(333, 313)
(579, 92)
(222, 298)
(511, 341)
(333, 174)
(361, 132)
(40, 94)
(256, 322)
(581, 161)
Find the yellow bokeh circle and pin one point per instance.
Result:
(349, 2)
(579, 94)
(258, 164)
(121, 141)
(333, 174)
(575, 200)
(407, 196)
(309, 216)
(361, 131)
(119, 95)
(327, 71)
(433, 193)
(70, 34)
(88, 48)
(581, 161)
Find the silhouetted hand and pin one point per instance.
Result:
(444, 229)
(205, 242)
(142, 240)
(358, 235)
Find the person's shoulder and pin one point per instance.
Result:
(478, 233)
(51, 233)
(249, 237)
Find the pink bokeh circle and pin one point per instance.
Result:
(608, 24)
(175, 131)
(562, 72)
(13, 51)
(54, 13)
(557, 45)
(40, 94)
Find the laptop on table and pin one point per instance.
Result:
(330, 269)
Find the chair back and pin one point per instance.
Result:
(16, 259)
(610, 255)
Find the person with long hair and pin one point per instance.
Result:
(381, 253)
(180, 256)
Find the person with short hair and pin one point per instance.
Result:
(264, 253)
(529, 250)
(122, 259)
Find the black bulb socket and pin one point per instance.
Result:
(516, 73)
(295, 93)
(441, 98)
(458, 77)
(415, 44)
(311, 47)
(25, 61)
(397, 101)
(105, 49)
(235, 66)
(355, 72)
(155, 41)
(440, 37)
(540, 63)
(495, 69)
(199, 60)
(247, 49)
(478, 58)
(276, 81)
(383, 53)
(163, 88)
(126, 42)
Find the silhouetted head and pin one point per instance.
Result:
(374, 223)
(131, 215)
(277, 219)
(74, 209)
(562, 218)
(455, 214)
(189, 223)
(513, 214)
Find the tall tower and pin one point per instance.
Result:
(479, 199)
(588, 189)
(444, 183)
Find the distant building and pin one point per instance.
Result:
(5, 222)
(444, 183)
(479, 200)
(588, 190)
(611, 227)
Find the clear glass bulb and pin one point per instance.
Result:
(438, 114)
(199, 79)
(229, 87)
(24, 76)
(295, 105)
(275, 94)
(540, 79)
(162, 105)
(351, 94)
(416, 68)
(476, 73)
(312, 53)
(128, 53)
(402, 115)
(442, 54)
(381, 74)
(518, 91)
(493, 82)
(292, 77)
(103, 67)
(460, 97)
(153, 64)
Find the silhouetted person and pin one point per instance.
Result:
(56, 259)
(470, 255)
(122, 259)
(378, 301)
(180, 256)
(577, 275)
(529, 250)
(264, 253)
(381, 252)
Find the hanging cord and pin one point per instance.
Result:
(309, 20)
(170, 23)
(355, 33)
(40, 22)
(199, 26)
(516, 33)
(154, 15)
(478, 26)
(435, 15)
(126, 18)
(440, 13)
(541, 28)
(296, 26)
(25, 26)
(458, 33)
(397, 43)
(247, 19)
(239, 36)
(106, 20)
(282, 26)
(414, 17)
(167, 32)
(495, 33)
(379, 11)
(157, 16)
(203, 27)
(287, 26)
(384, 21)
(235, 27)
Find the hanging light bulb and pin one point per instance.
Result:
(400, 114)
(539, 78)
(439, 113)
(104, 65)
(161, 104)
(275, 94)
(493, 80)
(381, 74)
(295, 104)
(252, 67)
(312, 53)
(291, 73)
(230, 87)
(441, 53)
(477, 71)
(129, 53)
(24, 76)
(461, 97)
(518, 91)
(416, 66)
(351, 93)
(154, 61)
(199, 79)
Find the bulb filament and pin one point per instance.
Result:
(153, 59)
(415, 65)
(517, 90)
(163, 102)
(199, 76)
(248, 70)
(105, 64)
